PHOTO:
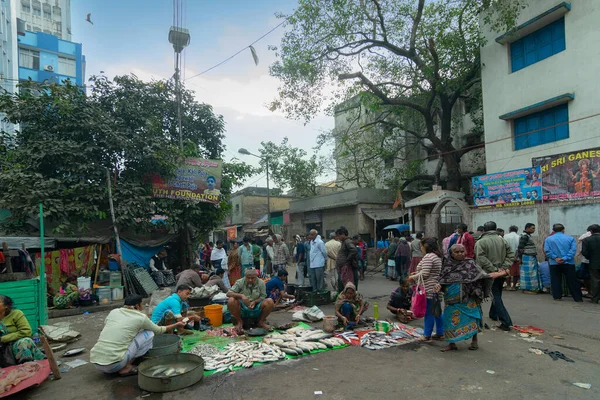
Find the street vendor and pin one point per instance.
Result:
(68, 294)
(127, 335)
(400, 302)
(190, 277)
(174, 309)
(349, 306)
(16, 344)
(276, 287)
(217, 280)
(248, 299)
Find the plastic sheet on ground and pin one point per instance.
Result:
(312, 314)
(221, 342)
(40, 376)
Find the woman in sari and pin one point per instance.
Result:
(16, 345)
(349, 306)
(234, 264)
(67, 294)
(465, 286)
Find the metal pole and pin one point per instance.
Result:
(268, 196)
(42, 305)
(112, 214)
(178, 96)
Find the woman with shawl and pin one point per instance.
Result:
(234, 265)
(349, 306)
(465, 286)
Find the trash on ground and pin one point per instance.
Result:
(489, 371)
(536, 351)
(76, 363)
(558, 337)
(58, 333)
(532, 330)
(556, 355)
(583, 385)
(318, 392)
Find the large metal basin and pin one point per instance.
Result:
(163, 345)
(195, 373)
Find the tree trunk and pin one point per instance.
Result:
(453, 170)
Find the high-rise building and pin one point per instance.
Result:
(8, 53)
(52, 17)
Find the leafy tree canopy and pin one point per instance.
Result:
(291, 168)
(68, 139)
(413, 60)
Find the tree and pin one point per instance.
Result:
(290, 168)
(413, 60)
(69, 139)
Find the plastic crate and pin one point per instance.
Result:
(319, 298)
(115, 279)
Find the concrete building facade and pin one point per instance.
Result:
(368, 155)
(8, 54)
(52, 17)
(362, 211)
(542, 74)
(44, 57)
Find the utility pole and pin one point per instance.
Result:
(179, 37)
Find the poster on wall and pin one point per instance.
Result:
(570, 176)
(506, 189)
(195, 180)
(231, 233)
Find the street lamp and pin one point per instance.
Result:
(247, 153)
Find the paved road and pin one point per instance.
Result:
(418, 371)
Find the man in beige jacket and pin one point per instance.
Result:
(331, 275)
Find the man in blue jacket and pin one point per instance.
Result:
(318, 257)
(560, 250)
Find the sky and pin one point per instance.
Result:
(131, 36)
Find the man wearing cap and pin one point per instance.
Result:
(127, 335)
(248, 299)
(282, 253)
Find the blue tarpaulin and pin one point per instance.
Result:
(138, 255)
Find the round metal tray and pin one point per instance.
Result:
(168, 384)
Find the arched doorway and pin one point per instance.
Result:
(446, 214)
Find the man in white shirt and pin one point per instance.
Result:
(218, 255)
(513, 241)
(127, 335)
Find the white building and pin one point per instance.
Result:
(9, 63)
(48, 16)
(543, 73)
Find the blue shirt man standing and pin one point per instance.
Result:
(560, 250)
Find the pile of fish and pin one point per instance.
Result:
(297, 341)
(204, 350)
(241, 354)
(378, 340)
(163, 372)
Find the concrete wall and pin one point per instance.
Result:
(570, 71)
(249, 209)
(343, 216)
(59, 23)
(343, 198)
(576, 216)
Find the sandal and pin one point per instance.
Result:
(449, 348)
(426, 339)
(474, 346)
(437, 337)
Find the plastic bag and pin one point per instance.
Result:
(419, 300)
(436, 306)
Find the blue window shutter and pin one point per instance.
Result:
(536, 122)
(561, 115)
(538, 45)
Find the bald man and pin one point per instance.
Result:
(248, 299)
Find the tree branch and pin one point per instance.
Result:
(381, 23)
(379, 93)
(417, 21)
(415, 178)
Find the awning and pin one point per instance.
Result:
(262, 221)
(384, 213)
(29, 242)
(433, 197)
